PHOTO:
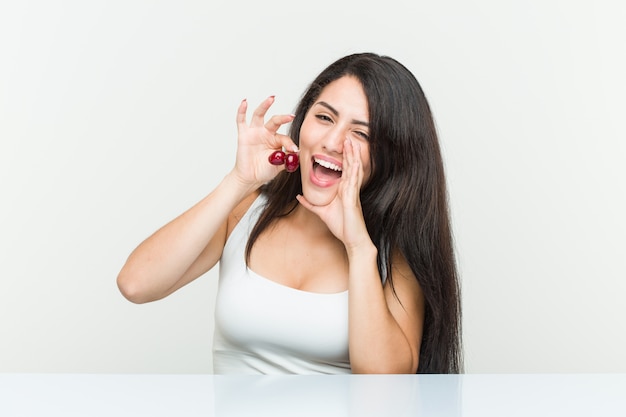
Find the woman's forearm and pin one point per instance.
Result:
(377, 342)
(183, 249)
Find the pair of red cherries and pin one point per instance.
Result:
(290, 160)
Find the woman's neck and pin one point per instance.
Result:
(309, 223)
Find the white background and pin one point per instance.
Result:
(115, 116)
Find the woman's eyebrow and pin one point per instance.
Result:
(336, 113)
(329, 107)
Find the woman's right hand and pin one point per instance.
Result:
(193, 242)
(257, 141)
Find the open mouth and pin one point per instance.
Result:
(325, 170)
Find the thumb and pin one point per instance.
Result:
(287, 143)
(318, 210)
(305, 203)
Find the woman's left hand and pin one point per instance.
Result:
(344, 215)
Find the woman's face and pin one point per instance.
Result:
(339, 113)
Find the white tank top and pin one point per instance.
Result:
(263, 327)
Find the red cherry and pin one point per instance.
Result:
(292, 162)
(277, 158)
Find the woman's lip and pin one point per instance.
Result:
(321, 183)
(317, 181)
(328, 159)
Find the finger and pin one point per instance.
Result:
(358, 164)
(352, 161)
(258, 116)
(286, 142)
(241, 113)
(275, 122)
(348, 160)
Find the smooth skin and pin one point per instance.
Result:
(384, 330)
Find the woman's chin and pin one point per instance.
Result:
(320, 197)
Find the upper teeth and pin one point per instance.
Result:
(328, 165)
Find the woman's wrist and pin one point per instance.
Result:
(233, 182)
(363, 252)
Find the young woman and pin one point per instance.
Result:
(345, 265)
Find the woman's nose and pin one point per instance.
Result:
(333, 142)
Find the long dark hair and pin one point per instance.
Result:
(405, 201)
